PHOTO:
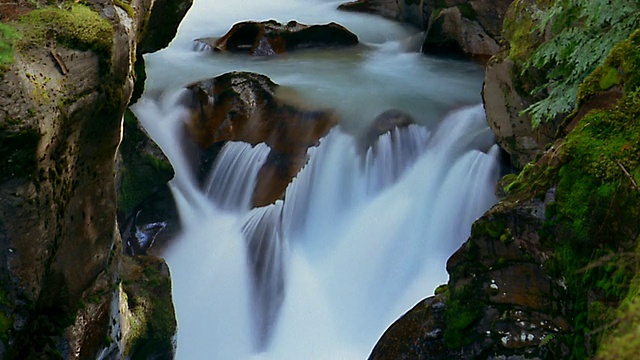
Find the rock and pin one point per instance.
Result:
(270, 38)
(506, 92)
(450, 31)
(147, 318)
(383, 123)
(503, 107)
(417, 335)
(147, 213)
(500, 301)
(159, 28)
(241, 106)
(409, 11)
(61, 109)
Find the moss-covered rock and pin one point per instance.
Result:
(62, 99)
(147, 315)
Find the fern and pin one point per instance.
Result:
(582, 34)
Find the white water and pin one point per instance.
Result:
(359, 239)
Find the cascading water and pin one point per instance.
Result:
(361, 234)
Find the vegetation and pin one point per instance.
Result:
(592, 226)
(79, 27)
(8, 35)
(582, 34)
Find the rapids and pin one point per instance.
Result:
(359, 238)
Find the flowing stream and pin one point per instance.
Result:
(359, 238)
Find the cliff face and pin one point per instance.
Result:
(551, 271)
(64, 89)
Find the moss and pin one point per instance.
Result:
(494, 228)
(126, 7)
(463, 309)
(77, 28)
(142, 173)
(8, 35)
(611, 78)
(153, 322)
(467, 11)
(621, 67)
(441, 289)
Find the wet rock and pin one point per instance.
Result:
(500, 301)
(147, 318)
(417, 335)
(146, 209)
(383, 123)
(449, 30)
(241, 106)
(61, 110)
(270, 38)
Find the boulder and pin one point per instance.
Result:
(242, 106)
(450, 30)
(503, 106)
(270, 38)
(500, 300)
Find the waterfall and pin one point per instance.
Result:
(360, 235)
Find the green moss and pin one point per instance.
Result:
(77, 28)
(610, 79)
(463, 309)
(126, 7)
(494, 228)
(441, 289)
(142, 173)
(8, 35)
(467, 11)
(621, 67)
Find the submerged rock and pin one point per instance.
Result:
(242, 106)
(271, 37)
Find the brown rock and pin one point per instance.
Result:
(450, 30)
(270, 38)
(242, 106)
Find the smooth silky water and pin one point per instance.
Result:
(359, 238)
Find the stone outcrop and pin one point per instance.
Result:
(270, 38)
(61, 108)
(247, 109)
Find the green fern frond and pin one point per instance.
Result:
(583, 33)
